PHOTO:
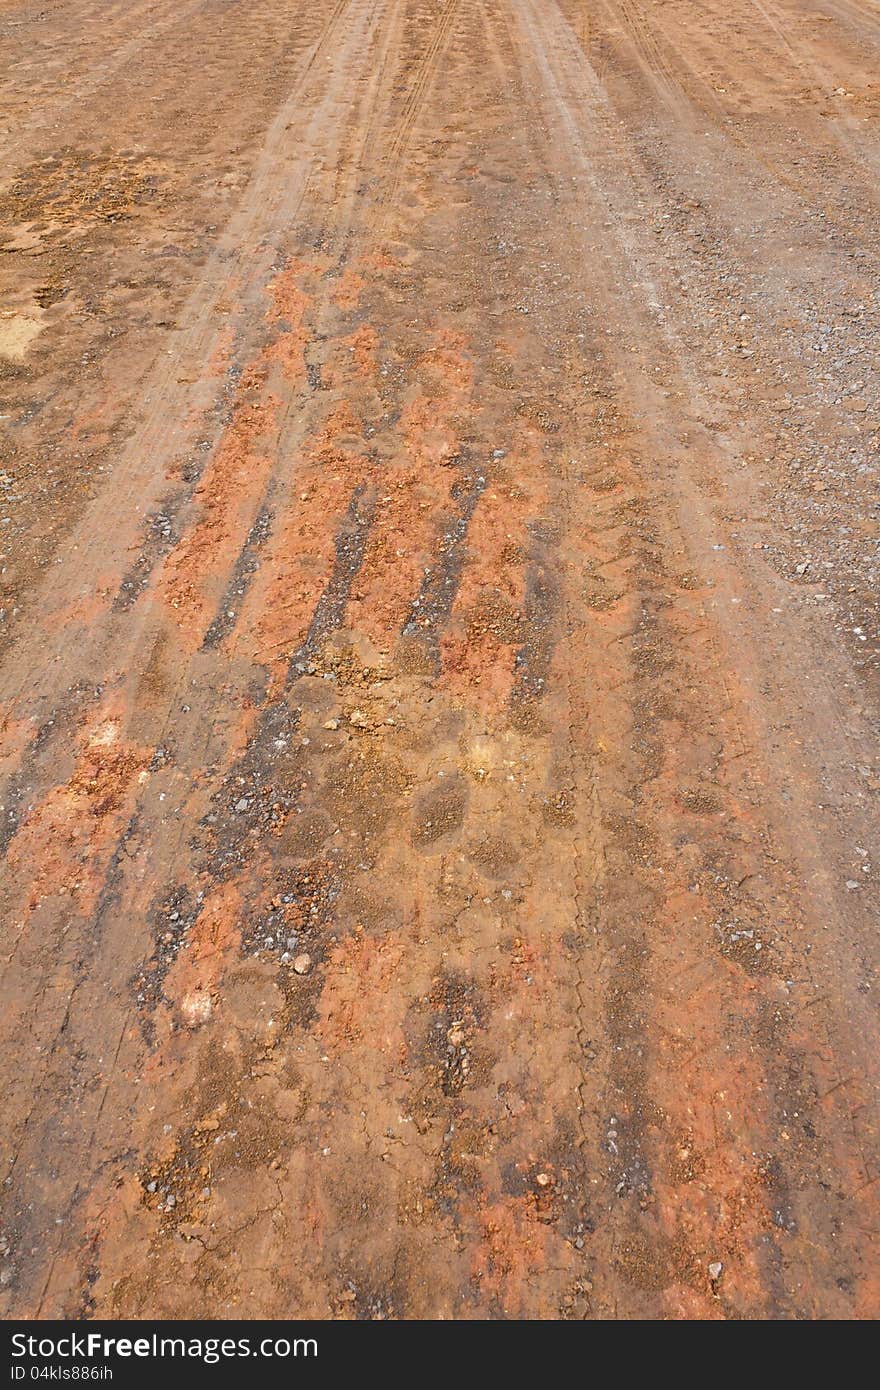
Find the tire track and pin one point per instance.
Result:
(418, 88)
(557, 46)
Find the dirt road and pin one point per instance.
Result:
(439, 658)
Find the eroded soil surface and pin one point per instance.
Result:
(439, 658)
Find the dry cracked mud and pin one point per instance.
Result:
(439, 634)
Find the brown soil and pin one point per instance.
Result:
(438, 571)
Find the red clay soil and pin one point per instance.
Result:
(439, 658)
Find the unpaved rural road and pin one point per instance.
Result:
(439, 658)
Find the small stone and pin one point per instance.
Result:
(302, 964)
(332, 724)
(543, 1180)
(196, 1007)
(715, 1269)
(242, 805)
